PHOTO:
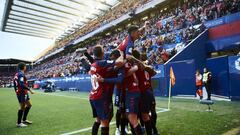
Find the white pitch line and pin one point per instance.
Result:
(90, 128)
(63, 96)
(83, 130)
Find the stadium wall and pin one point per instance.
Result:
(234, 77)
(220, 75)
(224, 33)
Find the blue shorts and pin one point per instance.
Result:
(132, 102)
(22, 98)
(101, 108)
(117, 98)
(147, 101)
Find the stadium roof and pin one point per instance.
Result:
(51, 18)
(13, 61)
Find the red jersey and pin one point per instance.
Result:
(127, 45)
(100, 68)
(130, 83)
(144, 79)
(112, 74)
(20, 83)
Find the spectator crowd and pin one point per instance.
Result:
(168, 32)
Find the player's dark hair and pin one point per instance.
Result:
(21, 65)
(89, 57)
(144, 56)
(136, 54)
(97, 51)
(132, 28)
(115, 53)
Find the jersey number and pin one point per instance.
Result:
(147, 75)
(95, 84)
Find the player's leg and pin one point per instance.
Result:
(96, 126)
(154, 116)
(26, 111)
(97, 123)
(103, 110)
(145, 107)
(110, 111)
(123, 123)
(105, 127)
(123, 120)
(118, 122)
(133, 119)
(21, 100)
(118, 112)
(132, 109)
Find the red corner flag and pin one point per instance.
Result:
(172, 76)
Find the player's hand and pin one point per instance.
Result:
(32, 92)
(99, 79)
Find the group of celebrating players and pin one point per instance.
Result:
(126, 69)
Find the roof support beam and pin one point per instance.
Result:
(30, 32)
(27, 34)
(48, 26)
(29, 26)
(47, 7)
(24, 28)
(44, 12)
(34, 19)
(27, 13)
(7, 9)
(78, 9)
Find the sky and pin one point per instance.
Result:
(20, 46)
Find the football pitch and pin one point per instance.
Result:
(69, 112)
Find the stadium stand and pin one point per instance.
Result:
(170, 31)
(7, 70)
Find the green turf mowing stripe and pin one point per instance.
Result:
(90, 128)
(60, 95)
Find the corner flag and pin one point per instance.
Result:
(172, 82)
(172, 77)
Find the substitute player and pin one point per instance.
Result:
(21, 89)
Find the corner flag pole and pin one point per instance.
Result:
(169, 93)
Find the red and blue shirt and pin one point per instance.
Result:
(20, 83)
(100, 68)
(127, 45)
(131, 83)
(144, 79)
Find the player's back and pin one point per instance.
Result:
(131, 82)
(19, 77)
(99, 68)
(144, 80)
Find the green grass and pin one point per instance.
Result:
(62, 112)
